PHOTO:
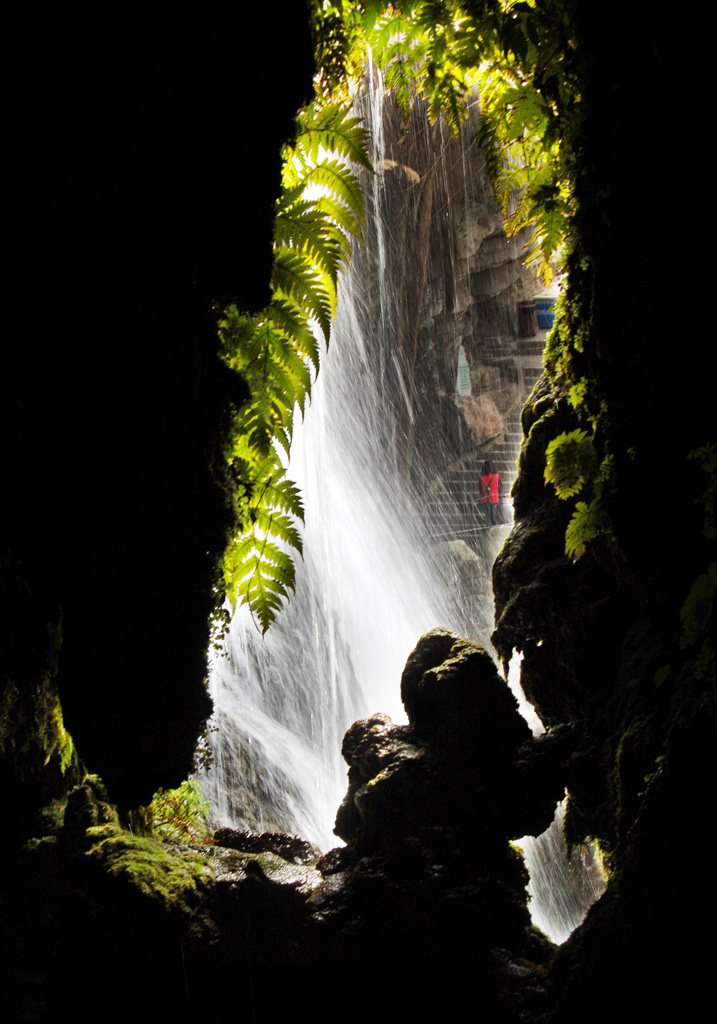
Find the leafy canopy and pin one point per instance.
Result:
(518, 54)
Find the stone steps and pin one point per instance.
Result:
(452, 508)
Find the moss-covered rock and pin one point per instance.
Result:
(39, 764)
(166, 874)
(599, 624)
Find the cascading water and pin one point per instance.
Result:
(388, 461)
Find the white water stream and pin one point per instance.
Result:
(382, 430)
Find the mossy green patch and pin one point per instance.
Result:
(166, 873)
(698, 609)
(32, 730)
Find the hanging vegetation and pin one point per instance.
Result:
(516, 53)
(319, 210)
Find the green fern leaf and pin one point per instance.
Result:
(269, 582)
(285, 495)
(571, 461)
(275, 524)
(294, 277)
(400, 80)
(447, 96)
(340, 181)
(341, 215)
(273, 351)
(588, 521)
(308, 236)
(287, 316)
(271, 559)
(332, 128)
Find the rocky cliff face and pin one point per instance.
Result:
(159, 203)
(619, 641)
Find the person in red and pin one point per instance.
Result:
(490, 492)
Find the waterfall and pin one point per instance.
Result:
(388, 460)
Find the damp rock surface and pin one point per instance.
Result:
(428, 871)
(291, 848)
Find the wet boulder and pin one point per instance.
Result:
(429, 880)
(457, 703)
(466, 759)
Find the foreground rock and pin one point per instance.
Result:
(429, 880)
(424, 907)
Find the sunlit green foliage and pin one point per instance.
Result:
(319, 209)
(32, 729)
(578, 462)
(171, 877)
(180, 814)
(587, 522)
(573, 466)
(570, 462)
(517, 53)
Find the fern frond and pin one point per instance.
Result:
(273, 350)
(395, 34)
(310, 234)
(288, 317)
(295, 278)
(292, 370)
(588, 521)
(340, 181)
(276, 524)
(398, 77)
(570, 462)
(264, 420)
(341, 215)
(268, 578)
(447, 96)
(332, 128)
(285, 495)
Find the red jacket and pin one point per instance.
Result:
(490, 488)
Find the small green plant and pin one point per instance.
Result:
(576, 394)
(587, 522)
(176, 814)
(571, 462)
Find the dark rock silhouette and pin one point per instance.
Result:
(157, 203)
(428, 875)
(428, 896)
